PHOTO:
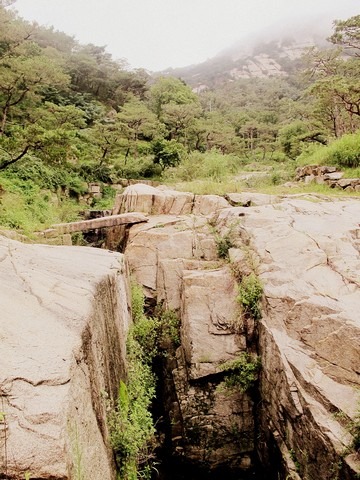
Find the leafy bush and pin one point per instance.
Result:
(294, 137)
(167, 153)
(344, 152)
(140, 167)
(250, 293)
(223, 245)
(107, 199)
(212, 165)
(290, 138)
(215, 165)
(168, 331)
(137, 302)
(34, 171)
(94, 172)
(355, 432)
(130, 422)
(241, 373)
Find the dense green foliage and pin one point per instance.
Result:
(131, 425)
(132, 430)
(70, 114)
(241, 373)
(250, 293)
(344, 152)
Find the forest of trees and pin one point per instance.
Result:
(70, 113)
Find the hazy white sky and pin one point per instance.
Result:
(156, 34)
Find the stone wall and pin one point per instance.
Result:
(330, 176)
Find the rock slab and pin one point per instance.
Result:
(64, 319)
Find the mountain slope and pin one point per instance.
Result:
(275, 52)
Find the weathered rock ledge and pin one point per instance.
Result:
(64, 319)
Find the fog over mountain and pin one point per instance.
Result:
(272, 51)
(159, 34)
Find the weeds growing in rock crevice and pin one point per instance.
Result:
(76, 451)
(353, 427)
(3, 425)
(355, 431)
(250, 293)
(223, 245)
(225, 241)
(131, 426)
(241, 373)
(250, 287)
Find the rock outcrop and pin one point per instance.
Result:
(309, 335)
(175, 258)
(64, 320)
(307, 254)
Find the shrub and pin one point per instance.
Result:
(355, 432)
(140, 167)
(209, 165)
(137, 302)
(223, 245)
(241, 373)
(290, 138)
(167, 153)
(34, 171)
(225, 240)
(107, 199)
(344, 152)
(169, 330)
(250, 292)
(130, 422)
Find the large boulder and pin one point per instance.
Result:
(64, 319)
(209, 313)
(159, 250)
(152, 200)
(164, 201)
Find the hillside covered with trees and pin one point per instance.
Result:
(70, 114)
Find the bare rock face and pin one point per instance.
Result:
(63, 327)
(164, 201)
(159, 250)
(310, 332)
(209, 311)
(148, 199)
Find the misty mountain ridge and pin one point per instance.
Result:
(275, 51)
